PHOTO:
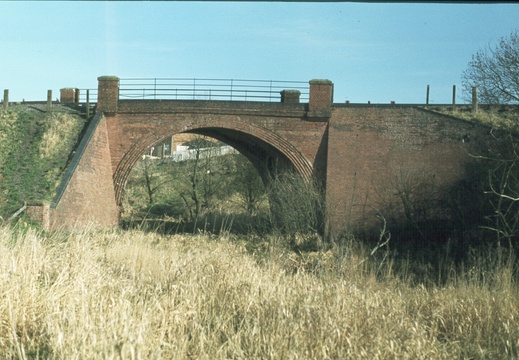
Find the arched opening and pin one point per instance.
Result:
(202, 185)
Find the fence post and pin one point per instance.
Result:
(49, 100)
(6, 98)
(474, 99)
(427, 97)
(453, 97)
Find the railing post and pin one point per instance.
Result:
(6, 99)
(88, 103)
(427, 97)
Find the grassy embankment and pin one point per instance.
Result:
(35, 147)
(133, 295)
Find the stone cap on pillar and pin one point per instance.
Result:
(108, 78)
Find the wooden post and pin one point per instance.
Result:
(453, 97)
(6, 99)
(49, 100)
(474, 99)
(427, 97)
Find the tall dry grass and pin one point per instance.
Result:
(133, 295)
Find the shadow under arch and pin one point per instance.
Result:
(266, 150)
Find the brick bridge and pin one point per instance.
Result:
(363, 154)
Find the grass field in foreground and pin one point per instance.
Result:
(133, 295)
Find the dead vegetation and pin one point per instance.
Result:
(133, 295)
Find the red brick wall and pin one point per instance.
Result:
(371, 149)
(282, 127)
(89, 197)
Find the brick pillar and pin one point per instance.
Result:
(290, 96)
(39, 212)
(108, 94)
(67, 96)
(321, 98)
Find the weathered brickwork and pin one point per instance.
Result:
(373, 150)
(69, 95)
(39, 213)
(107, 94)
(89, 199)
(321, 98)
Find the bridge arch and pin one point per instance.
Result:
(264, 148)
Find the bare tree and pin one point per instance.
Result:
(248, 184)
(502, 163)
(152, 179)
(495, 71)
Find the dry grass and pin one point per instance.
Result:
(61, 133)
(133, 295)
(493, 116)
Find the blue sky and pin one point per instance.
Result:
(371, 51)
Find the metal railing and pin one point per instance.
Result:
(201, 89)
(89, 95)
(209, 89)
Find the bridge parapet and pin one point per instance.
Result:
(319, 106)
(295, 110)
